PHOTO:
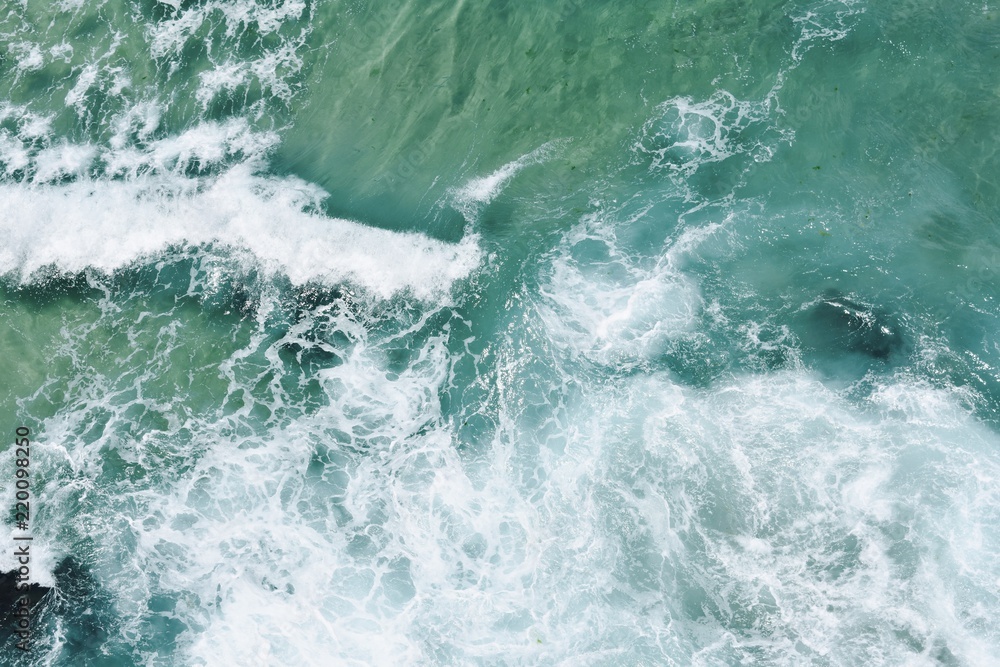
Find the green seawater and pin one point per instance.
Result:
(498, 333)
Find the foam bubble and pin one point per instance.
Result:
(64, 161)
(84, 82)
(28, 56)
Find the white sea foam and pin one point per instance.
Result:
(676, 523)
(619, 309)
(64, 161)
(471, 198)
(108, 224)
(131, 149)
(623, 520)
(28, 56)
(168, 38)
(685, 135)
(84, 82)
(224, 77)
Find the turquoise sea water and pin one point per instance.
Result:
(497, 333)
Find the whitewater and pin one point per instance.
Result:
(499, 333)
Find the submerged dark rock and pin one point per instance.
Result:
(10, 594)
(84, 610)
(311, 358)
(838, 325)
(16, 602)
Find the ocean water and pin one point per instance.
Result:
(484, 332)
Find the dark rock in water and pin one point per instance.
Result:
(84, 612)
(13, 602)
(11, 595)
(87, 614)
(311, 359)
(838, 324)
